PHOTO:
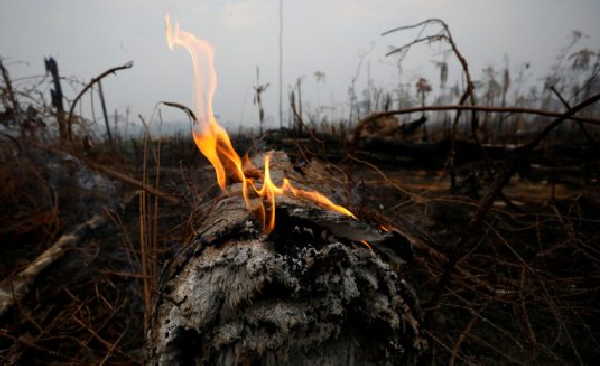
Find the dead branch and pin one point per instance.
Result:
(116, 175)
(185, 109)
(113, 70)
(473, 322)
(132, 182)
(567, 106)
(446, 35)
(467, 240)
(13, 290)
(514, 110)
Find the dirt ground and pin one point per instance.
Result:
(525, 292)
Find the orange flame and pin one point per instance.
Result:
(214, 143)
(269, 191)
(384, 227)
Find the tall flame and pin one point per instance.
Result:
(212, 139)
(214, 143)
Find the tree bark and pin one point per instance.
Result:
(64, 130)
(321, 289)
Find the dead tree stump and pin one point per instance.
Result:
(309, 293)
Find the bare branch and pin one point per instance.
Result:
(560, 97)
(185, 109)
(433, 38)
(406, 27)
(113, 70)
(446, 35)
(469, 238)
(13, 290)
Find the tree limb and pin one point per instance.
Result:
(538, 112)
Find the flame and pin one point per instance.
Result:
(214, 143)
(366, 243)
(269, 191)
(384, 227)
(212, 139)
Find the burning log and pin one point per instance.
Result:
(282, 276)
(320, 288)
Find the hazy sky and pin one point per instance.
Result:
(87, 37)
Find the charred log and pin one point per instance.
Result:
(316, 290)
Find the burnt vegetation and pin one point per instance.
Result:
(488, 190)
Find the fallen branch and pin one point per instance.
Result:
(13, 290)
(469, 237)
(132, 182)
(116, 175)
(532, 111)
(568, 107)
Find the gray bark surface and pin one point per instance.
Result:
(306, 294)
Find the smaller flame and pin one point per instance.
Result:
(269, 191)
(384, 227)
(366, 243)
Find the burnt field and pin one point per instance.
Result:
(520, 285)
(441, 221)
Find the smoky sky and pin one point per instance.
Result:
(88, 37)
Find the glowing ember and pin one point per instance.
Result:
(213, 141)
(384, 228)
(366, 243)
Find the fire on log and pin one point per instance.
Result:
(318, 289)
(282, 276)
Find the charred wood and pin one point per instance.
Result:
(316, 290)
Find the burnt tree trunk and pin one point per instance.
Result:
(308, 293)
(65, 132)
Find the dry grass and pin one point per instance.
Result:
(29, 214)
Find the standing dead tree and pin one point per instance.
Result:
(11, 93)
(298, 122)
(259, 89)
(280, 63)
(445, 35)
(57, 98)
(423, 88)
(297, 113)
